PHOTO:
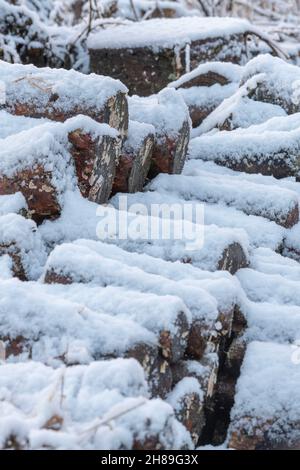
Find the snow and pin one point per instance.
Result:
(166, 111)
(231, 72)
(154, 312)
(85, 265)
(100, 406)
(137, 133)
(240, 111)
(221, 286)
(12, 203)
(187, 386)
(22, 236)
(57, 330)
(261, 397)
(11, 124)
(273, 288)
(256, 143)
(260, 231)
(167, 33)
(267, 321)
(281, 77)
(206, 98)
(6, 267)
(69, 227)
(26, 83)
(273, 203)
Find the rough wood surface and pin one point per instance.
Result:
(169, 153)
(145, 71)
(133, 167)
(35, 184)
(95, 162)
(233, 259)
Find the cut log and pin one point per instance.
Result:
(205, 371)
(277, 204)
(205, 88)
(20, 240)
(160, 378)
(239, 111)
(67, 332)
(40, 164)
(268, 417)
(274, 81)
(169, 47)
(271, 148)
(95, 160)
(61, 94)
(187, 399)
(235, 356)
(135, 159)
(169, 115)
(165, 315)
(206, 247)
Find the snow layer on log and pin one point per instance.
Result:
(271, 148)
(53, 330)
(63, 91)
(166, 111)
(165, 315)
(274, 288)
(260, 231)
(278, 82)
(20, 239)
(162, 33)
(118, 415)
(209, 257)
(78, 263)
(266, 413)
(11, 124)
(6, 267)
(222, 287)
(209, 74)
(13, 203)
(276, 204)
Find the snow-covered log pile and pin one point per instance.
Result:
(121, 336)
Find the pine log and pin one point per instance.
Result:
(187, 400)
(160, 378)
(205, 371)
(135, 159)
(95, 162)
(169, 115)
(58, 95)
(124, 52)
(36, 186)
(92, 148)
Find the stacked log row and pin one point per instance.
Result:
(169, 47)
(195, 329)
